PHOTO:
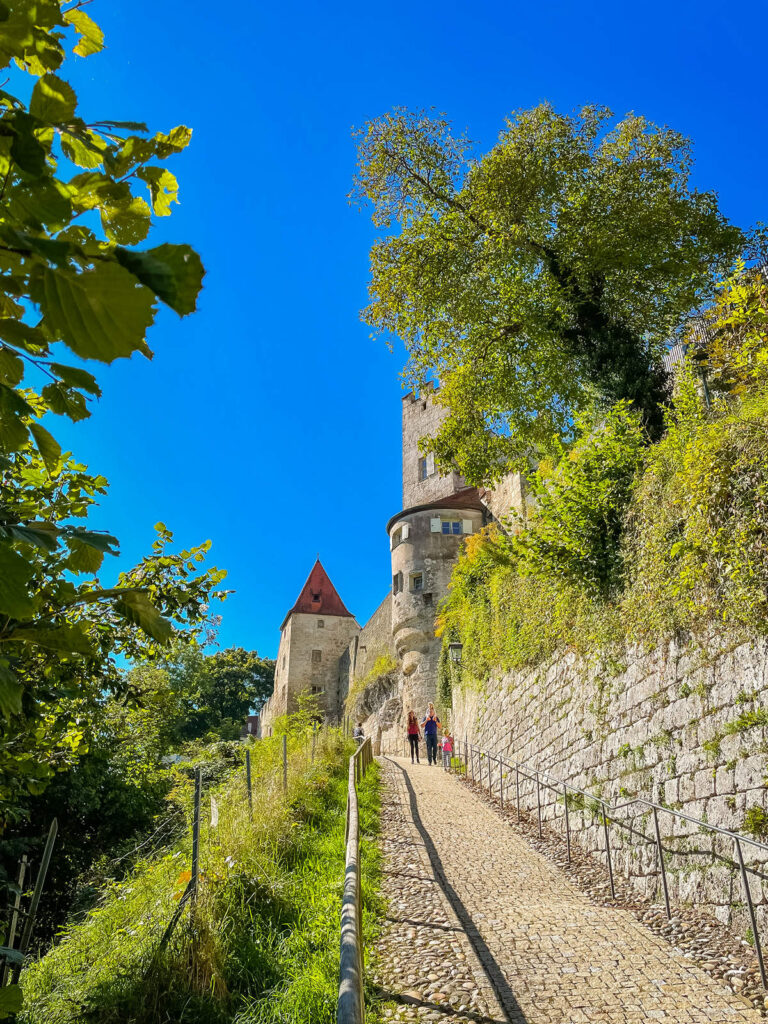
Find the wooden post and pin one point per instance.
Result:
(26, 935)
(248, 782)
(15, 915)
(196, 833)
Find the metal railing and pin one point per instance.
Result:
(481, 766)
(351, 1005)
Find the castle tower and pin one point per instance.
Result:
(315, 633)
(438, 512)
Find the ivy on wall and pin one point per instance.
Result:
(630, 542)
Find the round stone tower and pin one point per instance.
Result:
(438, 512)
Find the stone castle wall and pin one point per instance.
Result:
(422, 417)
(678, 728)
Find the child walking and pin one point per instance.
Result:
(447, 746)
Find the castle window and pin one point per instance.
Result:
(317, 657)
(317, 689)
(401, 533)
(315, 597)
(451, 526)
(427, 466)
(397, 583)
(416, 582)
(427, 599)
(321, 624)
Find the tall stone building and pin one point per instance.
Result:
(314, 635)
(324, 650)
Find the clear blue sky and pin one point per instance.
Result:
(268, 421)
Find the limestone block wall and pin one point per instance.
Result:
(684, 729)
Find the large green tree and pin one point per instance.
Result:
(538, 279)
(77, 197)
(216, 691)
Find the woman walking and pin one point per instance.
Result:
(414, 734)
(431, 724)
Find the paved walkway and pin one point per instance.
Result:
(484, 929)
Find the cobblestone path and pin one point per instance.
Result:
(483, 929)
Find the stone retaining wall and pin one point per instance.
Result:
(675, 726)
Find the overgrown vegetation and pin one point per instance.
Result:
(110, 798)
(261, 945)
(636, 542)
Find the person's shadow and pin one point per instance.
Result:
(513, 1014)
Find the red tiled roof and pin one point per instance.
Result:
(318, 596)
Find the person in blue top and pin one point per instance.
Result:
(430, 725)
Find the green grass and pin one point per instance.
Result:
(262, 943)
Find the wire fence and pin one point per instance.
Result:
(202, 841)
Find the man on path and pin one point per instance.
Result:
(430, 725)
(357, 733)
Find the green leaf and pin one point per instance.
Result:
(173, 272)
(74, 377)
(69, 639)
(83, 557)
(83, 149)
(11, 1000)
(11, 956)
(15, 573)
(26, 151)
(97, 539)
(127, 223)
(48, 446)
(41, 535)
(11, 367)
(21, 335)
(137, 608)
(100, 314)
(53, 100)
(40, 203)
(163, 188)
(65, 401)
(91, 36)
(13, 431)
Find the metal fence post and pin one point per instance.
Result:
(285, 763)
(466, 757)
(608, 852)
(26, 934)
(248, 783)
(748, 894)
(501, 783)
(661, 862)
(567, 823)
(490, 780)
(517, 789)
(538, 801)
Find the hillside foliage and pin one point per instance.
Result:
(634, 543)
(260, 945)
